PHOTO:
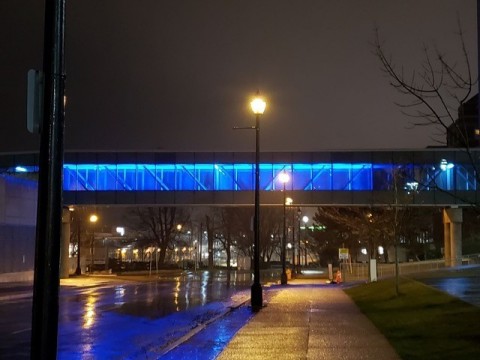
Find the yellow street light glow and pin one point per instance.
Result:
(258, 105)
(288, 201)
(93, 218)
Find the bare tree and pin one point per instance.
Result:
(435, 94)
(371, 226)
(435, 90)
(271, 223)
(244, 239)
(231, 231)
(160, 225)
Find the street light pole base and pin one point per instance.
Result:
(284, 279)
(256, 297)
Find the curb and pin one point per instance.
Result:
(202, 326)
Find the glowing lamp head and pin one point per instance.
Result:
(284, 177)
(258, 106)
(93, 218)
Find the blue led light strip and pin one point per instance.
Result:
(240, 177)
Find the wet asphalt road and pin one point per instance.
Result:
(112, 321)
(132, 320)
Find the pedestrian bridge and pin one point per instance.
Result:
(427, 177)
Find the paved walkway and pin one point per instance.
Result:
(309, 320)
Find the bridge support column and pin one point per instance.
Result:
(452, 225)
(65, 245)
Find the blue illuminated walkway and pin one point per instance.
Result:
(423, 177)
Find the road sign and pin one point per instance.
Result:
(35, 83)
(343, 253)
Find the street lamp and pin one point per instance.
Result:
(93, 219)
(305, 220)
(284, 178)
(258, 107)
(299, 235)
(289, 203)
(78, 270)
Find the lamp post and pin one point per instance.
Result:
(284, 178)
(299, 235)
(258, 107)
(289, 202)
(78, 270)
(305, 220)
(93, 219)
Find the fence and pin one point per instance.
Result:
(359, 271)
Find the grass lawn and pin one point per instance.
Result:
(422, 322)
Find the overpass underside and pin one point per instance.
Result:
(267, 198)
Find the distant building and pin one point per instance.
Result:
(465, 131)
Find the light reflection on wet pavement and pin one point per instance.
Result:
(139, 320)
(465, 288)
(462, 282)
(210, 342)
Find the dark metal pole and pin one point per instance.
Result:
(49, 206)
(78, 271)
(306, 253)
(294, 268)
(283, 278)
(299, 271)
(92, 250)
(200, 244)
(257, 295)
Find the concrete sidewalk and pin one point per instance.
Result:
(308, 319)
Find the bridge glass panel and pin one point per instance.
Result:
(266, 177)
(145, 178)
(106, 177)
(465, 178)
(415, 177)
(204, 177)
(302, 176)
(321, 176)
(444, 179)
(165, 175)
(126, 177)
(277, 184)
(382, 177)
(185, 177)
(341, 176)
(361, 177)
(70, 178)
(224, 177)
(352, 177)
(87, 177)
(244, 176)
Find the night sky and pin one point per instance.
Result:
(178, 75)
